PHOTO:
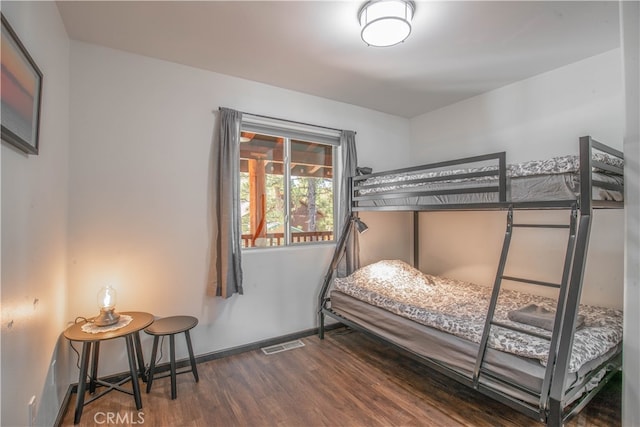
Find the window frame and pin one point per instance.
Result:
(304, 132)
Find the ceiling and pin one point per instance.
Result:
(457, 49)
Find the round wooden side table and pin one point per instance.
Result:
(91, 343)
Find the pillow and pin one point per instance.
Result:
(389, 274)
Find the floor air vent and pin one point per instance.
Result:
(272, 349)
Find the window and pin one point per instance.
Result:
(286, 186)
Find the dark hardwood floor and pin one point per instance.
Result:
(347, 379)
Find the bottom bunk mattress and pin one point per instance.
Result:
(442, 319)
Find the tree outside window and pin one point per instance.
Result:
(286, 190)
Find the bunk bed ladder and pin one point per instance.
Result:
(560, 309)
(494, 299)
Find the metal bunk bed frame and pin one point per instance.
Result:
(552, 408)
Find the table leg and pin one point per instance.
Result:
(140, 355)
(82, 380)
(134, 373)
(94, 367)
(172, 349)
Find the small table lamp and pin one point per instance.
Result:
(107, 305)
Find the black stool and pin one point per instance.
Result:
(171, 326)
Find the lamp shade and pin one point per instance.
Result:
(386, 22)
(107, 298)
(107, 305)
(360, 225)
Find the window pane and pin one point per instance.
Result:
(262, 190)
(270, 215)
(311, 192)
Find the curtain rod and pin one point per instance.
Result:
(284, 120)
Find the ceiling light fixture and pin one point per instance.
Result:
(386, 22)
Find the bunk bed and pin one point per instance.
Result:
(571, 350)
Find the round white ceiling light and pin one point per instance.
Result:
(386, 22)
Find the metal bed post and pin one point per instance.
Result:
(559, 317)
(416, 240)
(502, 177)
(569, 321)
(346, 230)
(585, 175)
(565, 345)
(340, 246)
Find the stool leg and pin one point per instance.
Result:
(191, 358)
(152, 364)
(172, 349)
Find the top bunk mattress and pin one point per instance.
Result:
(459, 308)
(541, 180)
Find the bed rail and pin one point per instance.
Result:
(589, 147)
(377, 191)
(481, 183)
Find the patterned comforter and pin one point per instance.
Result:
(460, 308)
(555, 166)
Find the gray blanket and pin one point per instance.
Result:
(538, 316)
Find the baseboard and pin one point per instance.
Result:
(73, 388)
(257, 345)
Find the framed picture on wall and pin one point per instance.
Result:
(21, 93)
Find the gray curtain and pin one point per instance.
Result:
(225, 272)
(351, 260)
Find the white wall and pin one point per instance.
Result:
(139, 206)
(535, 118)
(34, 229)
(630, 19)
(390, 236)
